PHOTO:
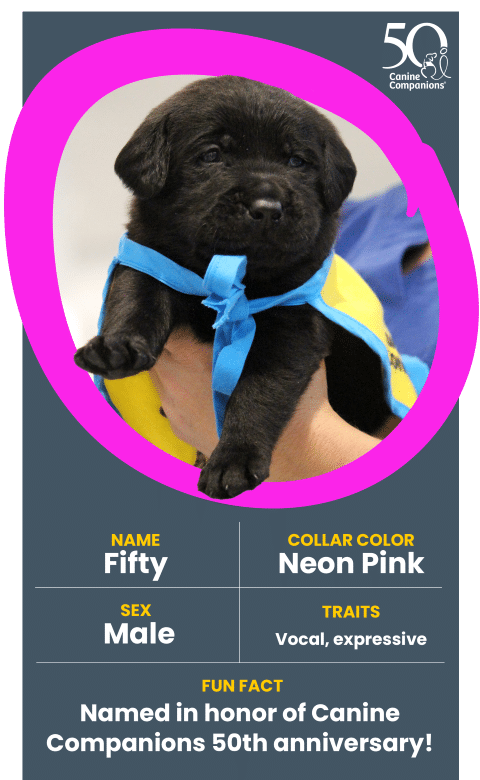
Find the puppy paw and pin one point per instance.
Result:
(230, 471)
(115, 356)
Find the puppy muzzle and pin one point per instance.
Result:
(266, 210)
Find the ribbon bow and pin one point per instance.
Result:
(234, 327)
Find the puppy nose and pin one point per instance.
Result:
(267, 209)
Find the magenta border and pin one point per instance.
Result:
(43, 128)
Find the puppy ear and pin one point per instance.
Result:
(339, 172)
(143, 163)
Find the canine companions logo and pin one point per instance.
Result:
(433, 68)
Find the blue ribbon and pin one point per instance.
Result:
(222, 289)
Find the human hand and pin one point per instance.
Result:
(316, 440)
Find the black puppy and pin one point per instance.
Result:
(231, 166)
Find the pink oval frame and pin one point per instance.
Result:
(43, 128)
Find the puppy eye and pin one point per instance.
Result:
(212, 156)
(296, 162)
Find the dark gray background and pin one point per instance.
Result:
(77, 494)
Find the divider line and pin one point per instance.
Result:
(243, 662)
(235, 587)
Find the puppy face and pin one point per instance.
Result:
(231, 166)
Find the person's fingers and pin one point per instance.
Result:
(182, 377)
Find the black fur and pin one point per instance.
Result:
(231, 166)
